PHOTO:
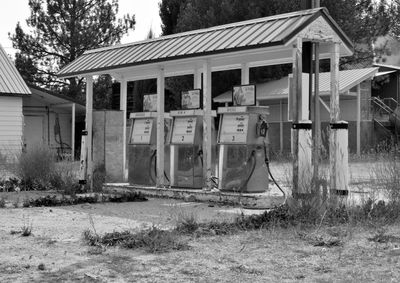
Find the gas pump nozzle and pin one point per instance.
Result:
(200, 154)
(262, 126)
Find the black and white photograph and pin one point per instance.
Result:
(200, 141)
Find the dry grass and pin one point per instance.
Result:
(278, 255)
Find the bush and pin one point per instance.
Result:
(64, 178)
(35, 167)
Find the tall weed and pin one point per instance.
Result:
(386, 173)
(36, 166)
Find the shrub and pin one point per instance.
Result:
(386, 173)
(35, 167)
(26, 229)
(64, 178)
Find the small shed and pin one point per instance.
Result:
(12, 90)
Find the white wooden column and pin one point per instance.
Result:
(122, 107)
(207, 132)
(160, 126)
(296, 97)
(245, 76)
(334, 101)
(358, 119)
(338, 137)
(317, 114)
(73, 131)
(89, 129)
(197, 78)
(281, 125)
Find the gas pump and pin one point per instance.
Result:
(243, 148)
(187, 143)
(142, 148)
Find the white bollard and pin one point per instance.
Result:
(304, 157)
(339, 158)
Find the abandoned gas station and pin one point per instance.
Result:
(190, 153)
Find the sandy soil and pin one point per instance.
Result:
(275, 255)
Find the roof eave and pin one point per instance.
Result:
(325, 14)
(186, 56)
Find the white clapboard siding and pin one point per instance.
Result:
(11, 124)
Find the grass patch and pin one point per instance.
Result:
(153, 240)
(302, 216)
(26, 229)
(63, 200)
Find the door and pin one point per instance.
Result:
(33, 131)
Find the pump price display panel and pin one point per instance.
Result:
(234, 128)
(184, 130)
(141, 133)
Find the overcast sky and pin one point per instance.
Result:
(145, 11)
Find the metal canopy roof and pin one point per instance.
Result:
(279, 89)
(384, 67)
(251, 36)
(11, 82)
(54, 99)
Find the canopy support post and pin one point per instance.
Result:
(338, 137)
(358, 119)
(160, 126)
(122, 107)
(73, 110)
(89, 129)
(207, 127)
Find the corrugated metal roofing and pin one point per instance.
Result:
(279, 89)
(11, 82)
(387, 67)
(258, 33)
(384, 73)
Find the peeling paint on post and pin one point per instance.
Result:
(317, 116)
(89, 129)
(358, 119)
(297, 92)
(73, 114)
(160, 127)
(207, 135)
(122, 107)
(338, 138)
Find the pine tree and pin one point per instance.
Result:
(59, 32)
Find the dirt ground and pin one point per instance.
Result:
(275, 255)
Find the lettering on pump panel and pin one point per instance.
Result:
(184, 129)
(234, 128)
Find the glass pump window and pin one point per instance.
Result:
(141, 133)
(234, 128)
(184, 130)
